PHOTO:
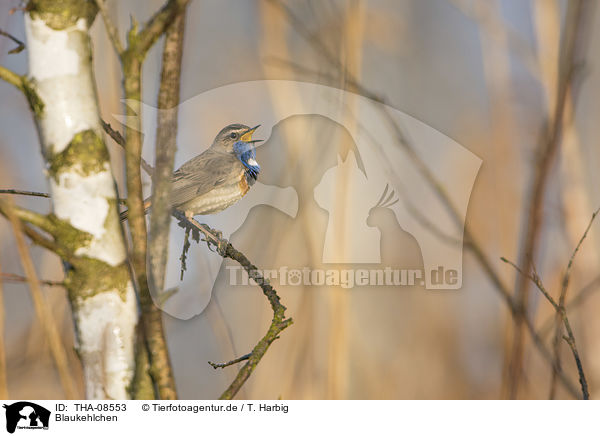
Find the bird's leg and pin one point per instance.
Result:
(219, 242)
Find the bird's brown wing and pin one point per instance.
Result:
(203, 173)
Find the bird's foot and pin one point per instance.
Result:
(218, 242)
(222, 246)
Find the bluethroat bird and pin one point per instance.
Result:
(218, 177)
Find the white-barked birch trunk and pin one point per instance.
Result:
(83, 193)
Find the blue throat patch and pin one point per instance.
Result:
(246, 153)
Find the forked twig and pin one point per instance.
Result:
(279, 322)
(560, 310)
(20, 45)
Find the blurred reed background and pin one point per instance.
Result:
(484, 73)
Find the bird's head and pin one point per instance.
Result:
(233, 133)
(237, 139)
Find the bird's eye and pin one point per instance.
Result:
(233, 135)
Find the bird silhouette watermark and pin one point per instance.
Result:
(369, 209)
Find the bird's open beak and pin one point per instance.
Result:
(247, 137)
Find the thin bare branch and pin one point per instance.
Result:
(15, 278)
(565, 283)
(118, 138)
(114, 134)
(535, 279)
(166, 145)
(561, 309)
(21, 192)
(112, 31)
(570, 339)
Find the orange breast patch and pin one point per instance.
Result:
(244, 187)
